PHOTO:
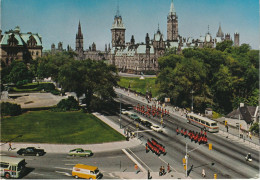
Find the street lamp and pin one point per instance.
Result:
(120, 110)
(192, 100)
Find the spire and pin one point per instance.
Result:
(158, 31)
(172, 9)
(117, 10)
(79, 30)
(208, 29)
(220, 33)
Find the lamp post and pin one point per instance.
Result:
(192, 100)
(120, 111)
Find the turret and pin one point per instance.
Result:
(172, 24)
(236, 39)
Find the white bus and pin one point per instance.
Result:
(12, 167)
(203, 122)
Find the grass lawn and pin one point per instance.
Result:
(58, 127)
(140, 85)
(29, 87)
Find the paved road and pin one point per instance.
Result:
(227, 154)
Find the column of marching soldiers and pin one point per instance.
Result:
(197, 137)
(149, 111)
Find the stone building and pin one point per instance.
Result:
(141, 57)
(91, 53)
(15, 45)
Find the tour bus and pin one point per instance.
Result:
(12, 167)
(86, 172)
(202, 122)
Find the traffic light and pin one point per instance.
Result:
(184, 160)
(215, 176)
(137, 125)
(185, 167)
(210, 146)
(225, 123)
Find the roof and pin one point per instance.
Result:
(22, 38)
(220, 33)
(203, 118)
(246, 113)
(83, 166)
(11, 160)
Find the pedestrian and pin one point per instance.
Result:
(136, 168)
(160, 172)
(203, 173)
(177, 130)
(227, 128)
(146, 148)
(250, 135)
(163, 170)
(10, 147)
(148, 174)
(168, 168)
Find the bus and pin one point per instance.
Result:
(12, 167)
(202, 122)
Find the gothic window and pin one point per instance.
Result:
(37, 53)
(31, 42)
(32, 53)
(12, 41)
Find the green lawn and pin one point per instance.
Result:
(58, 127)
(140, 85)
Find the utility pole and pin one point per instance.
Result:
(192, 100)
(186, 157)
(239, 126)
(120, 110)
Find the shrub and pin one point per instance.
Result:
(48, 87)
(255, 128)
(9, 109)
(55, 92)
(68, 104)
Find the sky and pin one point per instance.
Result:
(57, 20)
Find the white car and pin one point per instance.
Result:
(125, 112)
(156, 128)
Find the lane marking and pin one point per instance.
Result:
(134, 160)
(110, 174)
(64, 168)
(65, 173)
(38, 174)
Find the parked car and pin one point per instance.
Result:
(135, 117)
(31, 151)
(80, 152)
(156, 128)
(125, 112)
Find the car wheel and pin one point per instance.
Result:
(7, 175)
(76, 177)
(23, 154)
(90, 178)
(37, 154)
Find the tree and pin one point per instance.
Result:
(222, 46)
(20, 74)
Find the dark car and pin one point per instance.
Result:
(146, 124)
(31, 151)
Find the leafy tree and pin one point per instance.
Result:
(20, 73)
(254, 128)
(222, 46)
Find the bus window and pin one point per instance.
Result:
(207, 124)
(203, 122)
(213, 124)
(196, 119)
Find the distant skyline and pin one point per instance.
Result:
(57, 20)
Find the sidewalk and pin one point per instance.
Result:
(232, 135)
(153, 175)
